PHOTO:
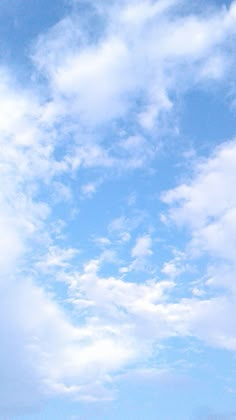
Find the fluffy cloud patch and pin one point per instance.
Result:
(207, 203)
(139, 54)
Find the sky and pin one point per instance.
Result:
(118, 210)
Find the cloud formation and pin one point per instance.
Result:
(96, 110)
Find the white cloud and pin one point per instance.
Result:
(53, 357)
(102, 77)
(57, 257)
(90, 188)
(125, 237)
(123, 226)
(142, 247)
(136, 13)
(170, 269)
(139, 60)
(125, 307)
(207, 203)
(215, 67)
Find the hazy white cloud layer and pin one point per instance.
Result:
(145, 52)
(106, 87)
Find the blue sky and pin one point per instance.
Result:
(118, 210)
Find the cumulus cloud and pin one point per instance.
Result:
(206, 204)
(138, 56)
